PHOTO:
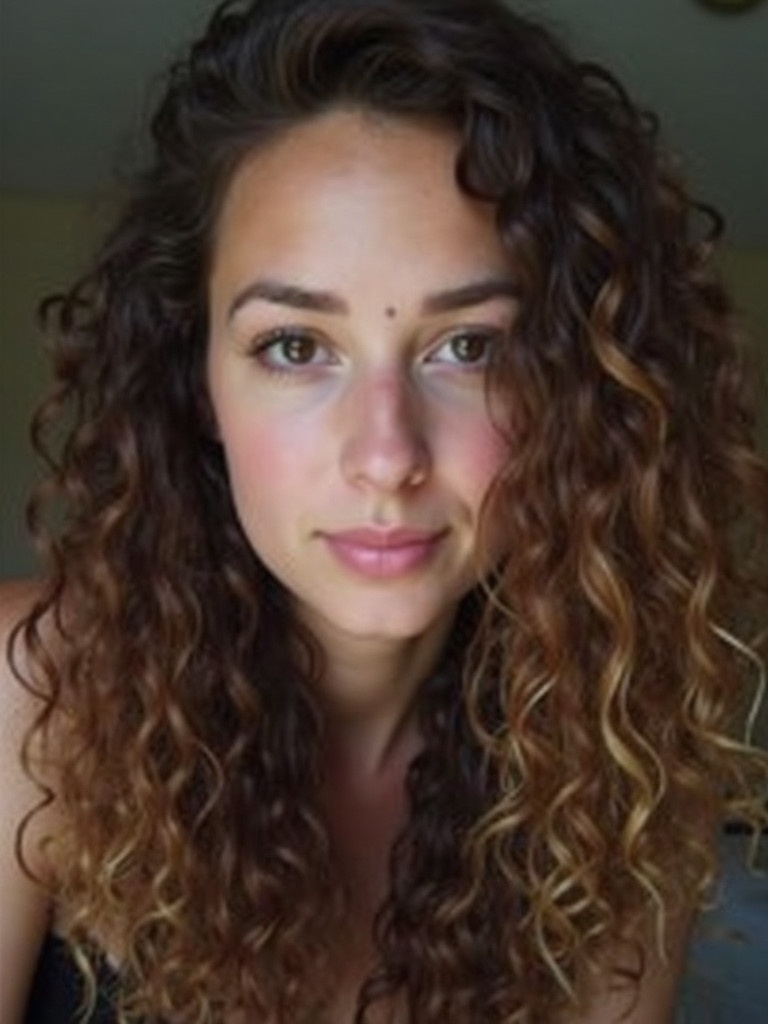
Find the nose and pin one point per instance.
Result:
(385, 444)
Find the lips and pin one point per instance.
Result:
(383, 554)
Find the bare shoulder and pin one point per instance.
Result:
(26, 907)
(17, 705)
(17, 598)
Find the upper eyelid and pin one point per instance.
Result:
(273, 336)
(489, 331)
(286, 331)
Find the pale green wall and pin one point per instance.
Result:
(43, 245)
(746, 271)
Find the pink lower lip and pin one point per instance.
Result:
(384, 561)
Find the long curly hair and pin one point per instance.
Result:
(578, 737)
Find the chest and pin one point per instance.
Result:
(363, 823)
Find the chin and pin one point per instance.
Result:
(378, 624)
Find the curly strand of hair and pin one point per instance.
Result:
(553, 759)
(424, 862)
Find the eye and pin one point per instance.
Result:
(287, 349)
(470, 348)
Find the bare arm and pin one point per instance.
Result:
(24, 907)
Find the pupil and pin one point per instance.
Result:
(299, 350)
(470, 347)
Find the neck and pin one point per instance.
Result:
(368, 696)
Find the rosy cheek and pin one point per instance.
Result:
(492, 452)
(483, 452)
(268, 457)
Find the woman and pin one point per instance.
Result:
(394, 625)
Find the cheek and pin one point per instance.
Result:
(478, 454)
(262, 464)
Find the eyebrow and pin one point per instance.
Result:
(292, 295)
(283, 294)
(473, 294)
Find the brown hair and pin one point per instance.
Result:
(574, 733)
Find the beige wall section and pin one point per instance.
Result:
(44, 243)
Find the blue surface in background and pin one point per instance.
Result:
(727, 977)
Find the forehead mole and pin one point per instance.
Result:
(390, 312)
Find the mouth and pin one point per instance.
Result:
(384, 554)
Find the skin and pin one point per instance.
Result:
(347, 381)
(346, 372)
(373, 415)
(369, 411)
(26, 910)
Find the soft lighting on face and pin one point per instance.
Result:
(357, 297)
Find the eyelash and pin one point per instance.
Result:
(487, 335)
(264, 349)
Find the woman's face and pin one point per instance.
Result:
(355, 297)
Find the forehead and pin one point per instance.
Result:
(347, 147)
(352, 187)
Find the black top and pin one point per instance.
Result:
(57, 992)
